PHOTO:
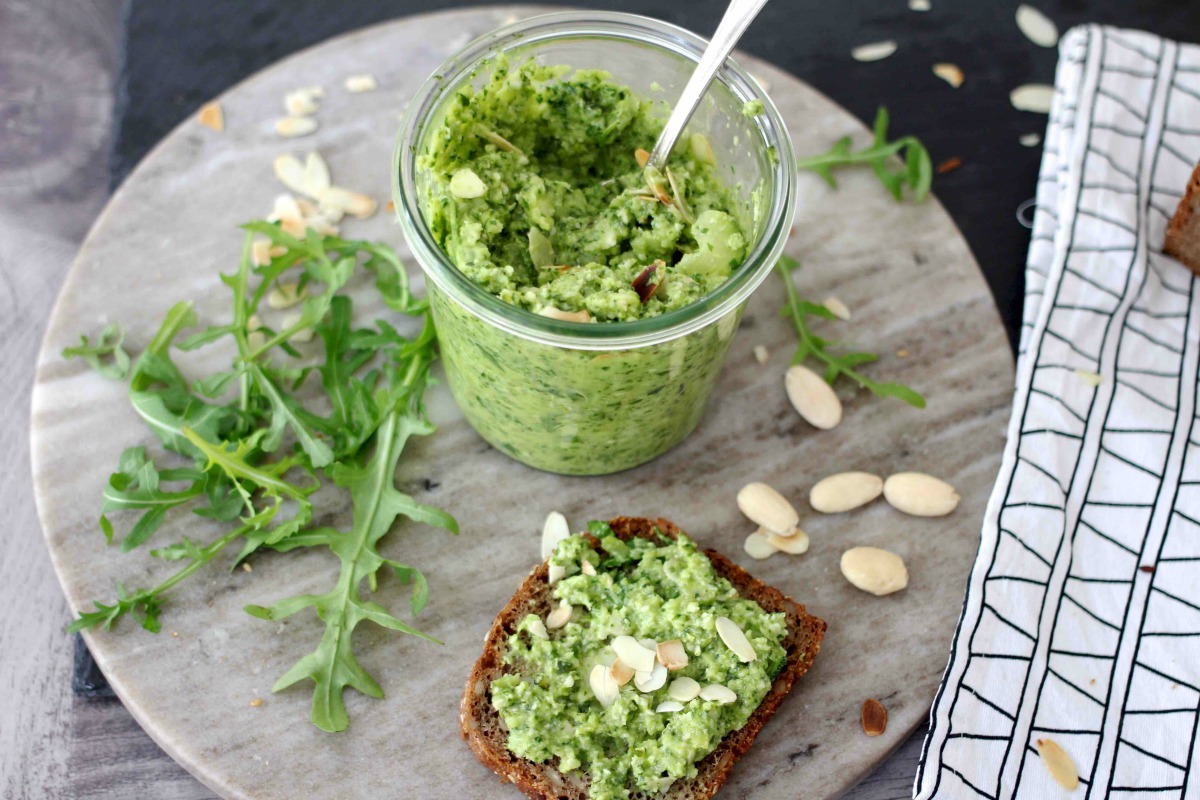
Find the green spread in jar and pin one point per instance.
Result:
(536, 195)
(661, 591)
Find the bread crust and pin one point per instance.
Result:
(1183, 236)
(483, 730)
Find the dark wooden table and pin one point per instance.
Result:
(58, 63)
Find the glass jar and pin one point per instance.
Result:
(591, 398)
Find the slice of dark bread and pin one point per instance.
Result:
(487, 736)
(1183, 232)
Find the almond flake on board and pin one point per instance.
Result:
(837, 308)
(757, 546)
(794, 545)
(211, 116)
(1030, 140)
(1092, 379)
(364, 82)
(1037, 27)
(316, 175)
(291, 173)
(874, 717)
(875, 51)
(919, 5)
(761, 354)
(301, 103)
(1032, 97)
(950, 73)
(292, 127)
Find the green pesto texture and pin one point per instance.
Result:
(535, 194)
(658, 590)
(578, 412)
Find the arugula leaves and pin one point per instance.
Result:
(916, 174)
(835, 364)
(258, 448)
(106, 356)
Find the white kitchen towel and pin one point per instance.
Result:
(1081, 622)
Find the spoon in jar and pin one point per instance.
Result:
(737, 18)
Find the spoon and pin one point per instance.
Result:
(737, 18)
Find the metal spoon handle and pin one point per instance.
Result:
(737, 18)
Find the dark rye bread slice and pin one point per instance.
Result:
(486, 734)
(1183, 232)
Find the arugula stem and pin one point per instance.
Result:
(206, 555)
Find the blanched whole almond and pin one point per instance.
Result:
(669, 707)
(735, 639)
(672, 655)
(767, 507)
(554, 530)
(683, 689)
(874, 717)
(920, 495)
(757, 546)
(794, 545)
(844, 492)
(621, 672)
(559, 616)
(1059, 762)
(603, 685)
(812, 397)
(537, 628)
(874, 570)
(629, 650)
(721, 694)
(651, 681)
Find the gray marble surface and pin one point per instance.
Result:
(905, 271)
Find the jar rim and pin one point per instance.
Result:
(645, 332)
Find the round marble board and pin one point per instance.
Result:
(917, 298)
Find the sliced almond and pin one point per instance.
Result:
(603, 685)
(559, 616)
(1092, 379)
(672, 655)
(307, 208)
(919, 5)
(642, 157)
(950, 73)
(1059, 763)
(291, 174)
(554, 530)
(875, 51)
(767, 507)
(629, 650)
(1034, 97)
(565, 316)
(365, 82)
(837, 308)
(718, 693)
(702, 149)
(920, 495)
(844, 491)
(316, 175)
(211, 116)
(683, 689)
(465, 184)
(260, 252)
(1030, 139)
(555, 573)
(587, 569)
(355, 204)
(292, 127)
(761, 354)
(1037, 27)
(873, 570)
(293, 226)
(286, 295)
(299, 337)
(651, 680)
(812, 397)
(253, 323)
(757, 546)
(285, 207)
(537, 628)
(300, 103)
(621, 672)
(669, 707)
(255, 340)
(794, 545)
(735, 639)
(874, 717)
